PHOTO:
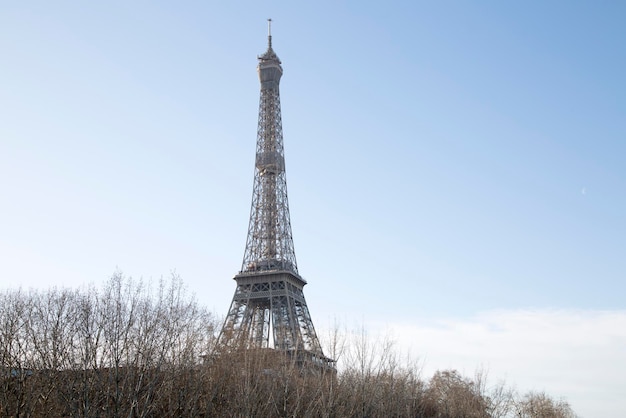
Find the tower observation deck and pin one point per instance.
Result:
(268, 309)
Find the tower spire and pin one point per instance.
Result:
(268, 309)
(269, 33)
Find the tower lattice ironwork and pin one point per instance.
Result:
(269, 309)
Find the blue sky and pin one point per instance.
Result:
(447, 162)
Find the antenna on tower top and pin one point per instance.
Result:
(269, 33)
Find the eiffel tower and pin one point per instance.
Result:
(268, 310)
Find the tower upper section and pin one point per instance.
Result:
(269, 245)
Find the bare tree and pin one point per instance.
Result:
(15, 354)
(449, 395)
(51, 334)
(88, 392)
(540, 405)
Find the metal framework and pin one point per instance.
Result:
(269, 309)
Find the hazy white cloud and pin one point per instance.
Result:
(576, 354)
